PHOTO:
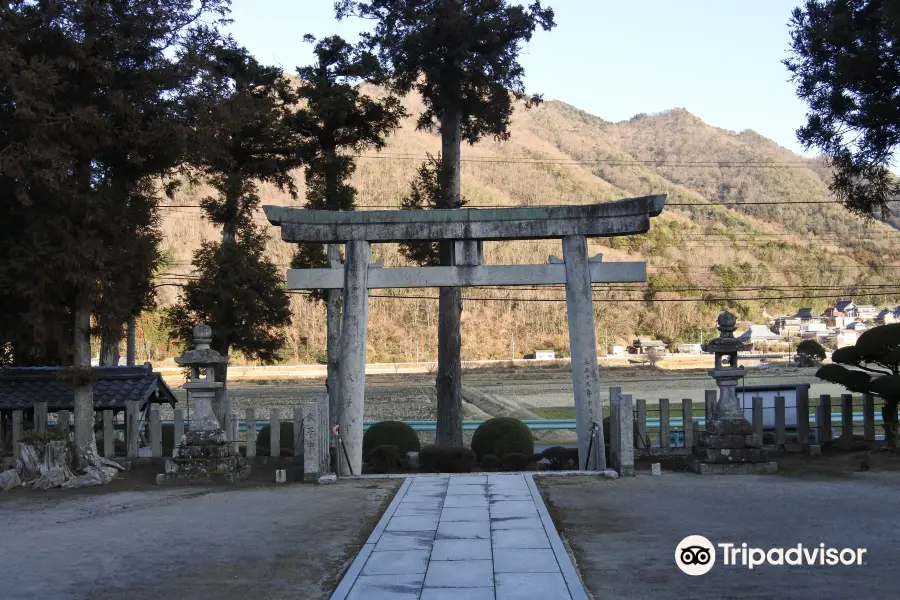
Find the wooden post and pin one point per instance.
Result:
(642, 423)
(803, 415)
(132, 430)
(251, 433)
(583, 348)
(758, 416)
(40, 416)
(614, 425)
(847, 416)
(687, 415)
(664, 423)
(274, 433)
(17, 429)
(109, 435)
(62, 424)
(709, 399)
(780, 438)
(177, 428)
(298, 431)
(352, 370)
(824, 418)
(155, 434)
(869, 417)
(235, 433)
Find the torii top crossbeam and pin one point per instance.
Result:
(620, 217)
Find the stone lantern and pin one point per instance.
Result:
(729, 445)
(203, 454)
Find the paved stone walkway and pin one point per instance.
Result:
(471, 537)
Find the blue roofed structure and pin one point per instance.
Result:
(114, 387)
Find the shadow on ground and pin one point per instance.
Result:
(262, 542)
(624, 532)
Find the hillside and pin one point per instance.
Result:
(745, 219)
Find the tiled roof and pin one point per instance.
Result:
(21, 387)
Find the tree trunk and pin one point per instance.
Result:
(109, 346)
(449, 373)
(890, 424)
(130, 342)
(85, 444)
(333, 335)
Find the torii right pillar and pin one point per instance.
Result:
(583, 347)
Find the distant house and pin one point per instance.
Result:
(759, 333)
(857, 326)
(887, 316)
(846, 308)
(846, 337)
(866, 312)
(806, 315)
(641, 345)
(689, 349)
(785, 326)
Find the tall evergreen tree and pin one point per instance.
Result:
(462, 57)
(241, 111)
(336, 120)
(89, 95)
(846, 64)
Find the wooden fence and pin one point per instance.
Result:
(817, 421)
(139, 433)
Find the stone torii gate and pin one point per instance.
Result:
(468, 228)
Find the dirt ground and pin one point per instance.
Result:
(623, 533)
(133, 540)
(411, 396)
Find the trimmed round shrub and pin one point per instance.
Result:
(390, 433)
(285, 439)
(435, 458)
(490, 463)
(385, 459)
(501, 436)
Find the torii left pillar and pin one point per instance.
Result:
(352, 373)
(583, 347)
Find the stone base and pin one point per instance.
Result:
(708, 440)
(737, 426)
(731, 455)
(203, 478)
(760, 468)
(203, 457)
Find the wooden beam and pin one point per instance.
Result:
(621, 217)
(466, 276)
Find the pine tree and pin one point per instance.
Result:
(462, 57)
(846, 65)
(89, 92)
(241, 110)
(336, 120)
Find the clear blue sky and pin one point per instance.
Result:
(719, 59)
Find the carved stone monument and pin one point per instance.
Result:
(203, 454)
(729, 446)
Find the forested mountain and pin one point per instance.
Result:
(747, 224)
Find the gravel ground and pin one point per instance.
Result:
(188, 543)
(624, 533)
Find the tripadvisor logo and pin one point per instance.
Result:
(696, 555)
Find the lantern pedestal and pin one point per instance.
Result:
(203, 454)
(729, 446)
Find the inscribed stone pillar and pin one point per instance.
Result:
(583, 347)
(352, 374)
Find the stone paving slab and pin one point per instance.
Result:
(464, 537)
